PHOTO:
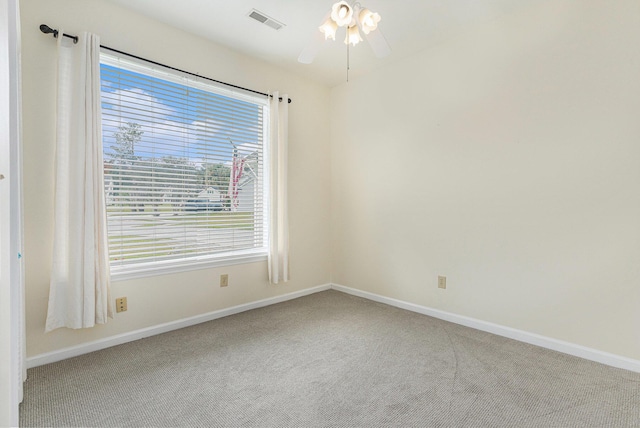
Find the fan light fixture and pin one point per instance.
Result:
(342, 13)
(369, 20)
(329, 29)
(353, 36)
(352, 18)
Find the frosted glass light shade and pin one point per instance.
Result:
(329, 29)
(342, 13)
(368, 20)
(353, 35)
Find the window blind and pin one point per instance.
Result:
(184, 169)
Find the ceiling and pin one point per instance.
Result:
(409, 26)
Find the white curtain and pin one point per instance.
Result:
(79, 295)
(279, 217)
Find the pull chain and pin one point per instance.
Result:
(347, 62)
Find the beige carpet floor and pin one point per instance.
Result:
(329, 360)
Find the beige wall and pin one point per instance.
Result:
(161, 299)
(508, 160)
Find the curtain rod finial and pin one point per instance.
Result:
(48, 30)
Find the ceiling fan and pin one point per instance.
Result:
(354, 19)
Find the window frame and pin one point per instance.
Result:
(234, 257)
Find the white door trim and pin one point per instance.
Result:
(12, 341)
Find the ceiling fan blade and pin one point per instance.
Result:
(309, 53)
(378, 43)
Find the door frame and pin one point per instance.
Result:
(12, 321)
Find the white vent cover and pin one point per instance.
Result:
(264, 19)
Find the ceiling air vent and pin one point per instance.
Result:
(264, 19)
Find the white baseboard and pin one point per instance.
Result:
(85, 348)
(511, 333)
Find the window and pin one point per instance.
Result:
(184, 171)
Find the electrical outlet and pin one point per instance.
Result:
(121, 304)
(224, 280)
(442, 282)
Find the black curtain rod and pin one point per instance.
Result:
(48, 30)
